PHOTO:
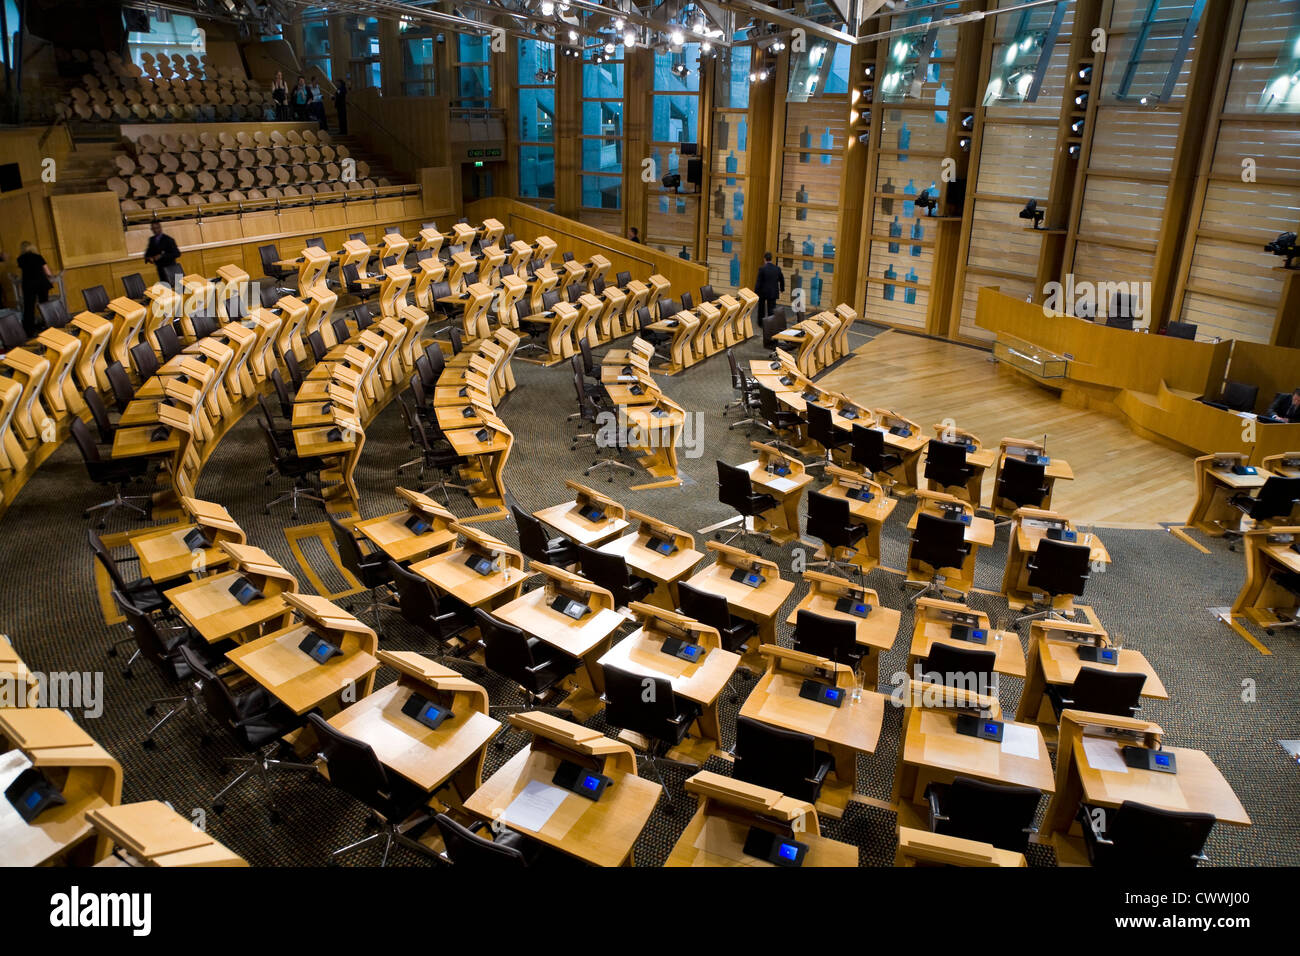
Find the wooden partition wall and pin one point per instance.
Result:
(528, 222)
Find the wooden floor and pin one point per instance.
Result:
(1120, 479)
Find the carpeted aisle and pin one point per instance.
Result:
(1227, 698)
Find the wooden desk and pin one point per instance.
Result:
(487, 483)
(391, 534)
(568, 518)
(294, 678)
(1029, 526)
(85, 773)
(164, 555)
(978, 458)
(585, 639)
(1216, 484)
(781, 522)
(848, 730)
(700, 681)
(449, 573)
(428, 758)
(875, 633)
(846, 485)
(979, 533)
(933, 752)
(601, 832)
(729, 808)
(932, 623)
(653, 433)
(1054, 661)
(923, 848)
(1269, 555)
(758, 604)
(153, 834)
(212, 610)
(1055, 469)
(664, 569)
(1090, 770)
(908, 447)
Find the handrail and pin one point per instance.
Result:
(262, 205)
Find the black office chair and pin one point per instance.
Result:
(1000, 814)
(945, 465)
(1099, 691)
(441, 618)
(316, 242)
(688, 303)
(1143, 838)
(537, 545)
(773, 325)
(282, 394)
(270, 255)
(133, 286)
(398, 806)
(317, 343)
(466, 847)
(1020, 484)
(204, 325)
(369, 566)
(351, 277)
(960, 667)
(54, 313)
(612, 442)
(611, 572)
(869, 452)
(120, 382)
(821, 429)
(713, 611)
(658, 340)
(707, 294)
(291, 365)
(257, 723)
(144, 360)
(161, 647)
(96, 298)
(735, 490)
(140, 592)
(99, 415)
(435, 453)
(534, 667)
(1238, 397)
(835, 639)
(117, 474)
(937, 543)
(288, 464)
(363, 314)
(269, 295)
(12, 333)
(778, 420)
(1119, 322)
(746, 389)
(282, 431)
(621, 279)
(660, 716)
(1056, 569)
(169, 343)
(782, 760)
(339, 326)
(1276, 499)
(1180, 330)
(831, 521)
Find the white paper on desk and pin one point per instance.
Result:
(605, 618)
(1104, 755)
(534, 805)
(1019, 741)
(780, 484)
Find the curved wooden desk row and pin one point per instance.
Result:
(649, 423)
(1217, 484)
(820, 340)
(706, 330)
(902, 437)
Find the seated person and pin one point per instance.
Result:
(1285, 407)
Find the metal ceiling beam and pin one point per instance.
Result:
(971, 17)
(772, 15)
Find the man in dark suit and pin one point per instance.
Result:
(769, 284)
(162, 250)
(1285, 408)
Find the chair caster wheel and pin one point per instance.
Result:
(150, 711)
(1268, 631)
(218, 808)
(85, 515)
(112, 652)
(371, 822)
(668, 810)
(276, 818)
(127, 675)
(149, 744)
(266, 511)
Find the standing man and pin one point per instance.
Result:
(162, 250)
(768, 286)
(341, 106)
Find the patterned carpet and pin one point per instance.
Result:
(1155, 596)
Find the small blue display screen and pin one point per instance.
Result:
(432, 713)
(859, 608)
(591, 783)
(690, 650)
(1162, 760)
(753, 579)
(789, 851)
(33, 798)
(990, 728)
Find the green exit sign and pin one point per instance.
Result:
(486, 153)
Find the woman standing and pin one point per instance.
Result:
(36, 284)
(280, 94)
(300, 97)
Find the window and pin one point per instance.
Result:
(673, 212)
(473, 71)
(316, 46)
(536, 119)
(724, 203)
(419, 59)
(1153, 52)
(602, 132)
(169, 34)
(823, 68)
(363, 55)
(1022, 56)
